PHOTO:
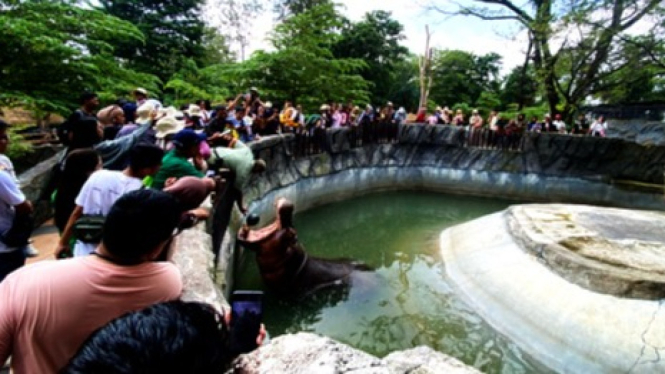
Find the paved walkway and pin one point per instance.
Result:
(45, 239)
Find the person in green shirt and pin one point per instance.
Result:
(176, 162)
(240, 159)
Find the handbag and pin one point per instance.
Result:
(89, 228)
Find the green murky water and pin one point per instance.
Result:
(408, 301)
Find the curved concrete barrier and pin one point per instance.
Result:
(567, 327)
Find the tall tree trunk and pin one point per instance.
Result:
(425, 71)
(525, 69)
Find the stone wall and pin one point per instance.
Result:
(32, 182)
(551, 167)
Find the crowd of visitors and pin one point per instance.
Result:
(116, 226)
(134, 175)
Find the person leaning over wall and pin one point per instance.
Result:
(48, 309)
(237, 157)
(176, 162)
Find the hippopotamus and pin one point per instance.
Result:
(285, 267)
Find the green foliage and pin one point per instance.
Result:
(53, 50)
(403, 89)
(173, 34)
(216, 48)
(488, 100)
(464, 107)
(285, 8)
(529, 112)
(191, 84)
(461, 76)
(376, 40)
(18, 146)
(520, 87)
(302, 68)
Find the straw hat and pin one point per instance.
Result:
(268, 105)
(143, 113)
(170, 111)
(325, 107)
(194, 111)
(141, 91)
(167, 126)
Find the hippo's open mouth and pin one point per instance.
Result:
(284, 210)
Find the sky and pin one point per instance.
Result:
(465, 33)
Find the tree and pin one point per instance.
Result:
(53, 50)
(234, 20)
(520, 87)
(216, 48)
(403, 87)
(286, 8)
(173, 31)
(302, 68)
(376, 40)
(461, 77)
(589, 31)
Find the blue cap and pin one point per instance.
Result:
(188, 137)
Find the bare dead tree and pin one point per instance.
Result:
(601, 23)
(425, 64)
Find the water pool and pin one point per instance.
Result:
(411, 303)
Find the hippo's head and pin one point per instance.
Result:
(283, 221)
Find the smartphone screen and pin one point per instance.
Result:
(246, 316)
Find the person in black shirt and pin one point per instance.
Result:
(81, 129)
(220, 123)
(581, 126)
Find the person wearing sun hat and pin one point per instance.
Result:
(144, 112)
(176, 164)
(141, 96)
(194, 117)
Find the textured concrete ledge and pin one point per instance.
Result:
(193, 256)
(567, 327)
(615, 251)
(308, 353)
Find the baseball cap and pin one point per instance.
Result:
(187, 138)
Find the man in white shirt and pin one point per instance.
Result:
(12, 203)
(559, 124)
(7, 166)
(102, 190)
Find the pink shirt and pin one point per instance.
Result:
(47, 310)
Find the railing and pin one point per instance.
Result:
(312, 141)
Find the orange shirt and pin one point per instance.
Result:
(48, 309)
